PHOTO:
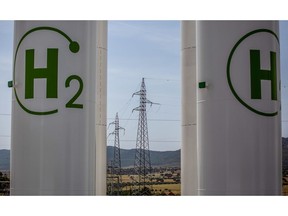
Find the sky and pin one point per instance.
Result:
(149, 50)
(136, 50)
(6, 52)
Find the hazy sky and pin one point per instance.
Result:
(136, 49)
(284, 75)
(6, 44)
(151, 50)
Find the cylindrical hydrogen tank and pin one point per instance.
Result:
(101, 107)
(238, 102)
(189, 154)
(55, 108)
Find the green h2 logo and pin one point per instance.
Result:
(245, 69)
(49, 74)
(257, 74)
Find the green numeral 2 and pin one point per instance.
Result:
(71, 103)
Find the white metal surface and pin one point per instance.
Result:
(54, 149)
(189, 169)
(101, 108)
(239, 135)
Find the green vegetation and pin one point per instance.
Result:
(162, 181)
(4, 184)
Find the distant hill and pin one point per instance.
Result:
(4, 159)
(158, 158)
(285, 154)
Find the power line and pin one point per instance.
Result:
(115, 168)
(168, 80)
(142, 163)
(126, 119)
(175, 120)
(170, 141)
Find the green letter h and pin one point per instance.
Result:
(50, 74)
(257, 75)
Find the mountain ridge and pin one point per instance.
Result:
(4, 159)
(158, 158)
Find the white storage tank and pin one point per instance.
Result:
(59, 108)
(238, 108)
(189, 152)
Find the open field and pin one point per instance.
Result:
(164, 183)
(162, 189)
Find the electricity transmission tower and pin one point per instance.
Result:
(115, 178)
(142, 163)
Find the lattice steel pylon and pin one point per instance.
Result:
(142, 163)
(115, 177)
